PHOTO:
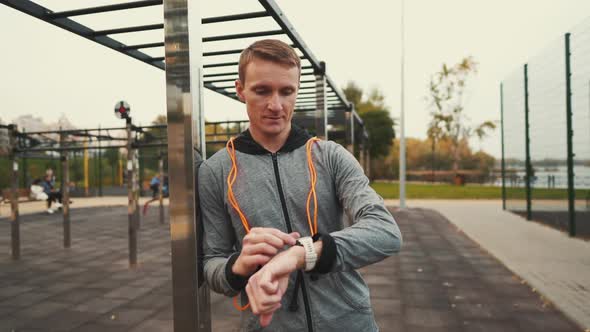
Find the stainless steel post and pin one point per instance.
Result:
(65, 192)
(99, 164)
(131, 206)
(182, 22)
(161, 191)
(321, 103)
(14, 216)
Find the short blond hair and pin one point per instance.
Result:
(271, 50)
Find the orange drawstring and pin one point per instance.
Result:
(231, 179)
(313, 177)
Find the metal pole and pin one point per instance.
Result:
(65, 192)
(321, 126)
(161, 191)
(571, 194)
(352, 118)
(185, 131)
(528, 166)
(502, 139)
(140, 162)
(362, 156)
(130, 199)
(85, 163)
(14, 216)
(25, 166)
(368, 160)
(99, 165)
(402, 140)
(136, 183)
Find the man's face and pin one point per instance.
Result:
(269, 92)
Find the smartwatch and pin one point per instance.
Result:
(311, 256)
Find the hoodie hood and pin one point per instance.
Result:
(296, 139)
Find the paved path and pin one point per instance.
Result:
(557, 266)
(442, 281)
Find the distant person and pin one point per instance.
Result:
(155, 187)
(52, 194)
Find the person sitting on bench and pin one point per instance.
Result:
(52, 194)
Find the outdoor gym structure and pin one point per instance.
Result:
(193, 62)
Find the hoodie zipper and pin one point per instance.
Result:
(275, 164)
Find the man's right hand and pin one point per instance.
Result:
(259, 246)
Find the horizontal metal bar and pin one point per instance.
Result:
(102, 9)
(221, 74)
(305, 93)
(243, 35)
(148, 145)
(160, 126)
(159, 58)
(331, 98)
(221, 64)
(76, 148)
(139, 46)
(234, 17)
(235, 73)
(225, 52)
(129, 29)
(70, 131)
(221, 80)
(225, 86)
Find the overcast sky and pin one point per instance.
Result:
(46, 71)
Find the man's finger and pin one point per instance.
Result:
(260, 248)
(265, 319)
(256, 260)
(265, 237)
(284, 237)
(269, 286)
(252, 299)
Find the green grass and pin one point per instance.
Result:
(471, 191)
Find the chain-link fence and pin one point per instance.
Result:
(546, 135)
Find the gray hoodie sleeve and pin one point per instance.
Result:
(219, 236)
(374, 234)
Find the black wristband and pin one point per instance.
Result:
(236, 281)
(328, 256)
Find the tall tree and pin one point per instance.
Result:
(375, 114)
(446, 98)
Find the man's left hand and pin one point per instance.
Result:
(266, 287)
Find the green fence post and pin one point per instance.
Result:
(502, 138)
(571, 194)
(528, 167)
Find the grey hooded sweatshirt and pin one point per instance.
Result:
(272, 191)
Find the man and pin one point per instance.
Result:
(250, 244)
